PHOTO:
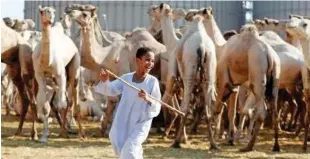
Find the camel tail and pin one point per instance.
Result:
(201, 58)
(272, 80)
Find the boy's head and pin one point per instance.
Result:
(145, 59)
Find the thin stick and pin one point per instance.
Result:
(138, 89)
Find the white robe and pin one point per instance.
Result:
(133, 117)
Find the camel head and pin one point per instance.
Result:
(82, 14)
(260, 24)
(9, 21)
(163, 10)
(47, 15)
(298, 26)
(206, 13)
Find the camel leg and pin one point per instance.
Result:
(74, 72)
(31, 88)
(231, 116)
(174, 116)
(197, 119)
(108, 115)
(246, 110)
(188, 89)
(307, 118)
(24, 102)
(43, 106)
(252, 141)
(301, 106)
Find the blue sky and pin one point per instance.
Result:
(12, 8)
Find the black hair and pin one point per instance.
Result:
(142, 51)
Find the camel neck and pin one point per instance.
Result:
(296, 42)
(306, 50)
(169, 36)
(93, 55)
(215, 33)
(45, 46)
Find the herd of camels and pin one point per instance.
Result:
(254, 75)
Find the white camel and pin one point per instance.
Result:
(51, 56)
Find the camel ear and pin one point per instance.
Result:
(40, 9)
(290, 16)
(204, 11)
(161, 6)
(210, 9)
(251, 22)
(266, 20)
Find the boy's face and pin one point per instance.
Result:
(146, 62)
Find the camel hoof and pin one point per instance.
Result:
(43, 139)
(165, 138)
(18, 133)
(82, 136)
(176, 144)
(304, 148)
(276, 148)
(34, 137)
(247, 149)
(63, 134)
(214, 147)
(72, 131)
(231, 142)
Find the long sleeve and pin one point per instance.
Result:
(108, 88)
(154, 109)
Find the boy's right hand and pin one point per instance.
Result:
(104, 75)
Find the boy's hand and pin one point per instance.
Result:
(104, 75)
(142, 94)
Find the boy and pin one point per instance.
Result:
(136, 110)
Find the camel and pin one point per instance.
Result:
(196, 58)
(291, 76)
(16, 53)
(118, 56)
(214, 32)
(55, 56)
(164, 14)
(187, 57)
(298, 27)
(277, 26)
(263, 74)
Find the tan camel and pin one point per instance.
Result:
(299, 27)
(16, 53)
(119, 56)
(165, 15)
(292, 74)
(245, 57)
(51, 56)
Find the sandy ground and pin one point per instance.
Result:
(14, 147)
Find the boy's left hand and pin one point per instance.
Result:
(142, 94)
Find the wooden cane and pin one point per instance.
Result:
(138, 89)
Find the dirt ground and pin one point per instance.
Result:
(14, 147)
